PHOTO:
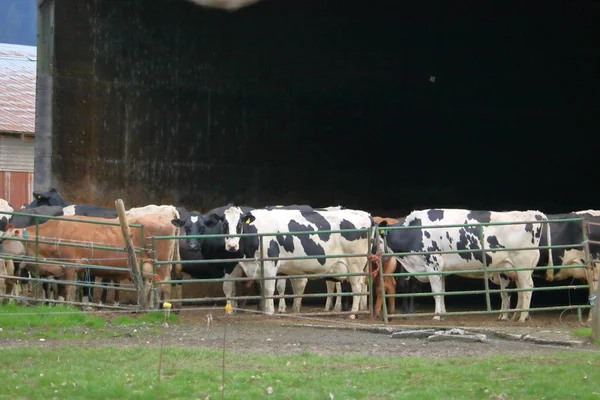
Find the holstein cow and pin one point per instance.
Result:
(192, 224)
(4, 218)
(236, 220)
(333, 285)
(391, 284)
(69, 231)
(571, 233)
(468, 238)
(47, 198)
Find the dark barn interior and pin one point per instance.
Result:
(384, 106)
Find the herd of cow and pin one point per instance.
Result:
(432, 241)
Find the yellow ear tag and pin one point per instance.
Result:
(248, 221)
(381, 232)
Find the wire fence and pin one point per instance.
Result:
(93, 266)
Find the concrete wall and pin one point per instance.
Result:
(320, 102)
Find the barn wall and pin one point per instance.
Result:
(323, 102)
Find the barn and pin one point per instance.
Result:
(387, 106)
(384, 106)
(17, 122)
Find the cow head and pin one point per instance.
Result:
(48, 198)
(194, 224)
(379, 244)
(9, 246)
(233, 223)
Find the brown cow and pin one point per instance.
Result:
(73, 231)
(407, 284)
(389, 282)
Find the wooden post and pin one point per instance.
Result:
(132, 261)
(596, 309)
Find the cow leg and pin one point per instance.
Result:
(104, 290)
(524, 281)
(338, 298)
(268, 286)
(281, 290)
(2, 280)
(595, 274)
(298, 286)
(116, 284)
(504, 296)
(331, 287)
(357, 283)
(437, 286)
(229, 288)
(12, 285)
(70, 275)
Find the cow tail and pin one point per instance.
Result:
(549, 271)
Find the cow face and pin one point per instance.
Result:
(13, 247)
(379, 245)
(194, 224)
(233, 223)
(48, 198)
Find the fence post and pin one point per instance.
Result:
(36, 286)
(382, 279)
(131, 259)
(590, 275)
(485, 271)
(262, 275)
(371, 298)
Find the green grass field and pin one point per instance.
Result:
(96, 370)
(131, 373)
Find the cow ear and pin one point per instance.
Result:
(177, 222)
(213, 219)
(248, 218)
(383, 224)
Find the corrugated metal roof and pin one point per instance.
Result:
(17, 88)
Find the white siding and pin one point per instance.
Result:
(16, 154)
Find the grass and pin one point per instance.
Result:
(585, 332)
(131, 373)
(18, 316)
(68, 322)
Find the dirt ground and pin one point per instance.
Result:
(254, 333)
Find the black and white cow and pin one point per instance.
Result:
(516, 236)
(193, 223)
(4, 218)
(278, 220)
(570, 233)
(47, 198)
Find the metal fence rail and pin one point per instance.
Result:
(485, 271)
(262, 278)
(36, 261)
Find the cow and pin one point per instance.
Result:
(516, 236)
(34, 215)
(391, 284)
(571, 233)
(173, 213)
(4, 218)
(90, 210)
(235, 221)
(69, 231)
(332, 284)
(6, 266)
(197, 249)
(47, 198)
